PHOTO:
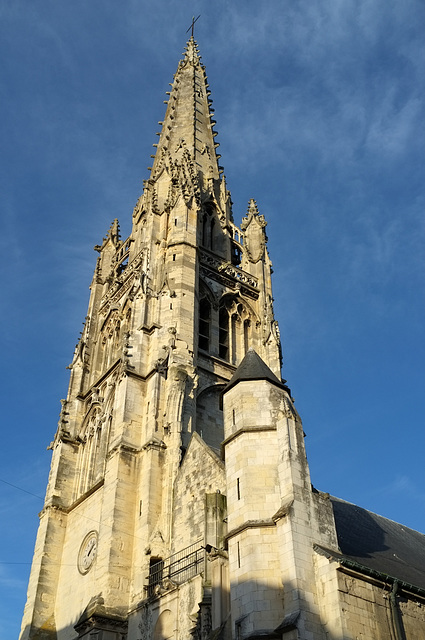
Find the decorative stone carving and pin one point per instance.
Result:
(161, 365)
(218, 269)
(254, 236)
(288, 409)
(203, 622)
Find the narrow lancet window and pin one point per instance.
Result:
(204, 324)
(208, 226)
(223, 333)
(211, 246)
(234, 339)
(246, 325)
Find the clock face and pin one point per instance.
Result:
(87, 553)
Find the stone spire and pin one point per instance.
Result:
(188, 122)
(173, 310)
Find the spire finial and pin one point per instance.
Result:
(193, 24)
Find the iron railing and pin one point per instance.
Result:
(178, 568)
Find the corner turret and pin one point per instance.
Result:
(269, 502)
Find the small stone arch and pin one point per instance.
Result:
(164, 628)
(205, 290)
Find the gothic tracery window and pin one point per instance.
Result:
(93, 438)
(234, 329)
(90, 439)
(225, 329)
(204, 324)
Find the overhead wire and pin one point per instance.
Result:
(84, 517)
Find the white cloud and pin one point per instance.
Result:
(402, 486)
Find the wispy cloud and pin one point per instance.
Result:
(402, 486)
(335, 79)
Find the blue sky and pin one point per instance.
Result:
(319, 108)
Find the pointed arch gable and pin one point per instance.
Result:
(113, 311)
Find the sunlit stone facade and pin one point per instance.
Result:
(179, 502)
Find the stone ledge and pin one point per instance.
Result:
(248, 429)
(250, 524)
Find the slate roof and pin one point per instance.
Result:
(380, 544)
(253, 367)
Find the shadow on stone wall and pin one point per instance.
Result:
(294, 624)
(34, 633)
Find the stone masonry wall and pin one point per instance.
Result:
(201, 472)
(367, 611)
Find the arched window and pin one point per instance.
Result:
(246, 326)
(208, 226)
(235, 334)
(223, 332)
(164, 628)
(88, 453)
(204, 324)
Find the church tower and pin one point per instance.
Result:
(179, 504)
(137, 489)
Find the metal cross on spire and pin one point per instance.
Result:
(193, 24)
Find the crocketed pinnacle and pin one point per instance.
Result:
(188, 122)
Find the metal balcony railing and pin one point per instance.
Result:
(178, 568)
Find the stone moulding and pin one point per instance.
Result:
(85, 495)
(283, 511)
(250, 524)
(247, 429)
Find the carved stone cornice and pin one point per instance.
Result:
(229, 282)
(214, 263)
(154, 444)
